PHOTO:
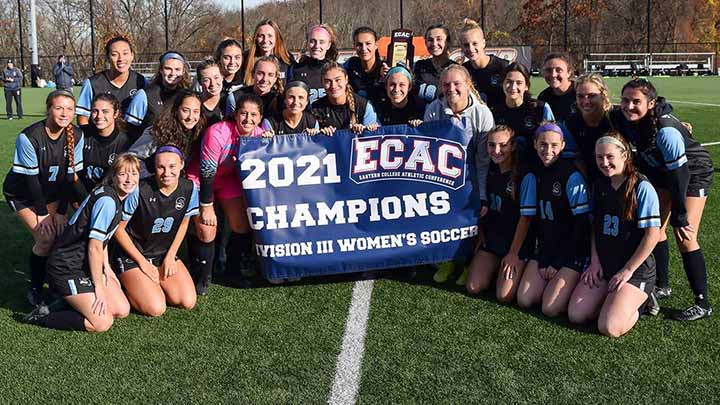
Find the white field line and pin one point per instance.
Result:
(617, 100)
(348, 368)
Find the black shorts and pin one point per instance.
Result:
(75, 284)
(578, 264)
(17, 204)
(499, 249)
(699, 185)
(123, 263)
(643, 277)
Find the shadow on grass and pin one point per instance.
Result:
(14, 251)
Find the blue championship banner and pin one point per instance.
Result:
(395, 197)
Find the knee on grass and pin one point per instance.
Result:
(100, 324)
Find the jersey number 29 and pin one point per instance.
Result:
(163, 225)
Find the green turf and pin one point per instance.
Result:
(425, 344)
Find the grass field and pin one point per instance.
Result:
(424, 344)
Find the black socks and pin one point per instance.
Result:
(201, 257)
(37, 270)
(662, 263)
(694, 264)
(65, 320)
(239, 246)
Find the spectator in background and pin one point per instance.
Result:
(12, 78)
(63, 72)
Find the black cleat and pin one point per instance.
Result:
(34, 296)
(662, 292)
(651, 305)
(37, 316)
(201, 287)
(693, 313)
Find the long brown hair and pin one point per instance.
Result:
(168, 130)
(349, 94)
(184, 82)
(69, 129)
(119, 122)
(633, 178)
(518, 169)
(280, 51)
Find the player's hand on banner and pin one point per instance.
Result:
(312, 131)
(415, 123)
(329, 131)
(357, 128)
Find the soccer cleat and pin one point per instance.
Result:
(201, 287)
(37, 316)
(463, 277)
(651, 305)
(445, 270)
(693, 313)
(663, 292)
(34, 296)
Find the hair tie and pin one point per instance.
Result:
(610, 140)
(170, 149)
(171, 55)
(549, 127)
(399, 69)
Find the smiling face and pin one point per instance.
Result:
(473, 44)
(365, 46)
(265, 40)
(126, 180)
(557, 74)
(456, 89)
(435, 41)
(265, 76)
(397, 86)
(499, 146)
(247, 117)
(103, 115)
(121, 56)
(172, 72)
(189, 112)
(589, 99)
(231, 59)
(548, 145)
(61, 111)
(296, 99)
(211, 81)
(318, 43)
(335, 83)
(167, 168)
(514, 86)
(635, 105)
(610, 159)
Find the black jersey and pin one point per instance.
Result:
(389, 115)
(308, 70)
(99, 84)
(271, 101)
(230, 87)
(563, 105)
(280, 127)
(146, 106)
(488, 80)
(38, 155)
(508, 202)
(338, 116)
(524, 120)
(562, 202)
(427, 78)
(367, 84)
(97, 218)
(283, 67)
(617, 239)
(212, 116)
(99, 152)
(154, 218)
(585, 137)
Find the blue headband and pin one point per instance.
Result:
(399, 69)
(549, 127)
(170, 149)
(171, 55)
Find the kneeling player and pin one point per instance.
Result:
(79, 269)
(626, 228)
(154, 224)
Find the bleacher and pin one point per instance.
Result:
(651, 64)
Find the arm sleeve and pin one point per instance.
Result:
(101, 218)
(648, 206)
(85, 100)
(370, 115)
(230, 105)
(672, 147)
(78, 154)
(137, 109)
(528, 196)
(130, 204)
(144, 147)
(193, 206)
(210, 151)
(482, 159)
(25, 160)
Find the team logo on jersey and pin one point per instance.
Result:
(409, 158)
(529, 122)
(111, 158)
(180, 203)
(557, 189)
(85, 281)
(510, 187)
(132, 92)
(573, 108)
(495, 80)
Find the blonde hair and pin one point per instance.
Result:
(597, 80)
(466, 75)
(470, 25)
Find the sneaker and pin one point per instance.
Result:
(693, 313)
(445, 270)
(10, 119)
(34, 296)
(463, 277)
(663, 292)
(651, 305)
(37, 316)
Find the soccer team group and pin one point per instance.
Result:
(573, 219)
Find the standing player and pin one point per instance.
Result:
(268, 42)
(265, 84)
(294, 118)
(366, 70)
(154, 222)
(321, 48)
(79, 269)
(229, 53)
(48, 153)
(148, 103)
(400, 105)
(560, 94)
(505, 242)
(119, 80)
(341, 108)
(427, 71)
(626, 227)
(486, 70)
(210, 79)
(681, 171)
(461, 102)
(104, 140)
(563, 228)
